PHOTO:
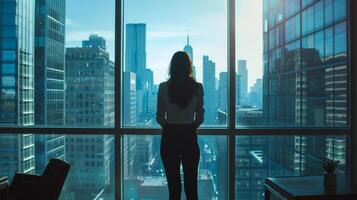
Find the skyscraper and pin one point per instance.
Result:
(305, 81)
(243, 71)
(89, 102)
(251, 166)
(135, 52)
(135, 61)
(49, 78)
(189, 50)
(223, 91)
(150, 96)
(210, 96)
(256, 93)
(17, 84)
(129, 99)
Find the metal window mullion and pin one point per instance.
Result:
(353, 72)
(58, 130)
(231, 99)
(152, 131)
(157, 131)
(117, 99)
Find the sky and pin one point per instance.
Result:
(168, 24)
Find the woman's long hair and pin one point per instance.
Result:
(181, 85)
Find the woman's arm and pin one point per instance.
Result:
(199, 117)
(160, 112)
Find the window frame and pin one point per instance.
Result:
(231, 131)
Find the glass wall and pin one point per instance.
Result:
(144, 175)
(292, 63)
(91, 157)
(152, 34)
(57, 64)
(57, 71)
(258, 157)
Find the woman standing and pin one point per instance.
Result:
(179, 113)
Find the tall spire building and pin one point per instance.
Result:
(189, 50)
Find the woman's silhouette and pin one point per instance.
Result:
(180, 112)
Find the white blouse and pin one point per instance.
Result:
(168, 112)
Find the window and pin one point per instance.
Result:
(299, 87)
(144, 175)
(8, 55)
(339, 10)
(8, 69)
(152, 35)
(277, 100)
(258, 157)
(91, 157)
(8, 81)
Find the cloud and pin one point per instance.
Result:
(70, 22)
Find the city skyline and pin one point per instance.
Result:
(165, 37)
(304, 83)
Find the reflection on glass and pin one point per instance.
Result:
(153, 34)
(91, 158)
(298, 72)
(258, 157)
(144, 176)
(60, 78)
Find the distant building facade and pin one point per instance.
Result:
(243, 87)
(209, 86)
(89, 102)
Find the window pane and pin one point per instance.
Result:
(318, 15)
(291, 6)
(144, 175)
(339, 9)
(8, 68)
(91, 158)
(152, 34)
(328, 11)
(295, 76)
(258, 157)
(60, 76)
(340, 42)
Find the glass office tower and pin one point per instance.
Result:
(17, 27)
(305, 84)
(49, 78)
(305, 73)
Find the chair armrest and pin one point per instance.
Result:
(3, 179)
(4, 188)
(3, 182)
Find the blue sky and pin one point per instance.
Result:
(168, 24)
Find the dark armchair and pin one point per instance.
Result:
(47, 186)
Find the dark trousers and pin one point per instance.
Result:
(179, 144)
